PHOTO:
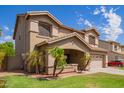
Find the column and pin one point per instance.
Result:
(105, 61)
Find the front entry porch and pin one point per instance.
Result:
(73, 56)
(73, 59)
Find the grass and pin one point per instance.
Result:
(121, 68)
(96, 80)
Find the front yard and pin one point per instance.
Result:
(121, 68)
(98, 80)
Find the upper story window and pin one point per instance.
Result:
(115, 47)
(92, 40)
(44, 29)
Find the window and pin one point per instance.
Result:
(92, 40)
(115, 47)
(116, 57)
(44, 29)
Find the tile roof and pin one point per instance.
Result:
(56, 39)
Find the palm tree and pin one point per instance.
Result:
(58, 54)
(85, 61)
(34, 59)
(2, 54)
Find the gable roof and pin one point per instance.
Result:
(112, 42)
(91, 30)
(34, 13)
(57, 39)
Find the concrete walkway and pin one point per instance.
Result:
(109, 70)
(64, 75)
(3, 74)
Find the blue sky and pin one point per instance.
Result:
(107, 19)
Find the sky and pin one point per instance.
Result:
(108, 20)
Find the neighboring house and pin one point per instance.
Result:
(115, 49)
(41, 30)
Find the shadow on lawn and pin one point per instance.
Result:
(47, 78)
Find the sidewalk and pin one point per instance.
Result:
(3, 74)
(64, 75)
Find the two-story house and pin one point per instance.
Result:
(41, 30)
(115, 49)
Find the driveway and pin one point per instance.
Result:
(108, 70)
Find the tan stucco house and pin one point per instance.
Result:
(115, 49)
(41, 30)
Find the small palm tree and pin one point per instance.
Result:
(58, 54)
(2, 56)
(34, 59)
(85, 61)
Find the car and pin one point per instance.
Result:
(118, 63)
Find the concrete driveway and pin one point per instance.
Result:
(108, 70)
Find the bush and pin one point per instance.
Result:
(8, 48)
(2, 56)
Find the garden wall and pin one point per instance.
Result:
(14, 63)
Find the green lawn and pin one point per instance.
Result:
(122, 68)
(85, 81)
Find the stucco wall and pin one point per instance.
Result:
(35, 38)
(63, 31)
(118, 47)
(14, 63)
(122, 48)
(74, 56)
(75, 59)
(92, 34)
(72, 43)
(34, 20)
(105, 45)
(110, 47)
(19, 44)
(30, 36)
(35, 34)
(114, 56)
(22, 37)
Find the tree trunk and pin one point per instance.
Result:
(37, 69)
(55, 66)
(29, 67)
(86, 65)
(0, 67)
(60, 71)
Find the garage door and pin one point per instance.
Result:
(96, 62)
